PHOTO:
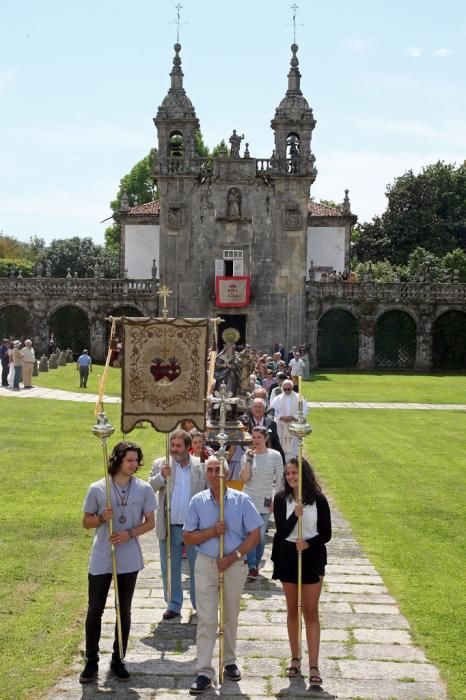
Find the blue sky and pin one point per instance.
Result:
(80, 82)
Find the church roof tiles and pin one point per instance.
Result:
(148, 209)
(316, 209)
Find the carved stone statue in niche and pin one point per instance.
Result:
(175, 218)
(234, 203)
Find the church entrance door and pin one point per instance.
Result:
(237, 321)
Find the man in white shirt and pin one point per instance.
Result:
(286, 406)
(296, 366)
(187, 479)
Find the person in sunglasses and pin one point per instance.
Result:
(203, 528)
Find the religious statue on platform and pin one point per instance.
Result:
(235, 141)
(227, 364)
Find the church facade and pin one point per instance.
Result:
(236, 236)
(239, 238)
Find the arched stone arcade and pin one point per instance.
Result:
(395, 340)
(15, 322)
(337, 339)
(449, 341)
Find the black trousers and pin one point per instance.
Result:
(98, 592)
(5, 370)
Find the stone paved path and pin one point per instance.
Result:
(366, 651)
(60, 395)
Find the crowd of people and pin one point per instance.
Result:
(17, 361)
(262, 478)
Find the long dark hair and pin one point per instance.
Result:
(311, 487)
(119, 453)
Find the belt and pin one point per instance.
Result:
(177, 524)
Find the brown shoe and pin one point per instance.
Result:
(170, 615)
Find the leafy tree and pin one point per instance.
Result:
(427, 210)
(369, 241)
(26, 266)
(80, 255)
(456, 260)
(199, 146)
(10, 247)
(330, 203)
(140, 186)
(425, 266)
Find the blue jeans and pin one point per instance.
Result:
(17, 377)
(255, 555)
(176, 551)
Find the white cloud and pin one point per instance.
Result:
(414, 51)
(442, 53)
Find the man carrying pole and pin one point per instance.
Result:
(181, 477)
(240, 528)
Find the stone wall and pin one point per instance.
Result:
(368, 301)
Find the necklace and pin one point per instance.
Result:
(122, 499)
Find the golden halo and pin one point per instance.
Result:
(230, 335)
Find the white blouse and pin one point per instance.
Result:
(309, 521)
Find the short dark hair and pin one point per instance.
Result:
(186, 437)
(119, 452)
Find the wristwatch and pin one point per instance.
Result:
(238, 554)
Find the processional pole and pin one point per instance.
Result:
(164, 293)
(222, 400)
(300, 429)
(103, 430)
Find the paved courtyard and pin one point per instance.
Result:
(367, 649)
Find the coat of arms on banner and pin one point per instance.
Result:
(164, 372)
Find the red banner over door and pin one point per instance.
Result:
(232, 291)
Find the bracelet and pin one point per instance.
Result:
(130, 533)
(101, 518)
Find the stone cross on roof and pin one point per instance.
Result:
(178, 21)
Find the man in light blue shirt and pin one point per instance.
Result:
(202, 528)
(84, 366)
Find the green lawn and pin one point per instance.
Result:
(399, 477)
(67, 378)
(328, 386)
(404, 388)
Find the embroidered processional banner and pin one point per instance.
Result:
(164, 373)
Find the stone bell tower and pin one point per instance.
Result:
(293, 172)
(176, 168)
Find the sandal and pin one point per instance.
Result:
(292, 671)
(314, 678)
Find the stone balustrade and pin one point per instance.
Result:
(395, 292)
(73, 287)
